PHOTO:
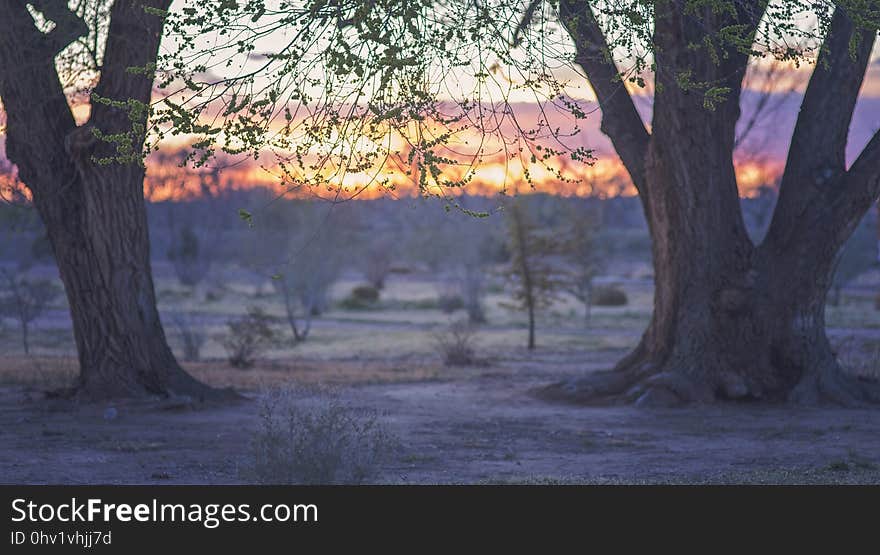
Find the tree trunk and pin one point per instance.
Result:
(24, 338)
(94, 213)
(531, 309)
(731, 320)
(588, 303)
(98, 231)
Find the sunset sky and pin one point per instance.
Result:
(760, 158)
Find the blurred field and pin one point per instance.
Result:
(395, 340)
(471, 424)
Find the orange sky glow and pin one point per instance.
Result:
(758, 163)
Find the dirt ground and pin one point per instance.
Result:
(453, 425)
(478, 425)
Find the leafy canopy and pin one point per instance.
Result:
(348, 93)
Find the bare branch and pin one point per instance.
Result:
(815, 183)
(818, 146)
(620, 119)
(68, 26)
(32, 96)
(132, 42)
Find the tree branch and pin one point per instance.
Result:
(866, 168)
(815, 177)
(620, 119)
(859, 188)
(37, 112)
(819, 140)
(132, 42)
(68, 25)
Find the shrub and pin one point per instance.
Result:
(316, 440)
(248, 336)
(213, 295)
(25, 300)
(361, 297)
(190, 263)
(609, 295)
(457, 345)
(365, 293)
(450, 303)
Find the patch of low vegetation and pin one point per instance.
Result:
(859, 358)
(248, 336)
(317, 438)
(449, 303)
(457, 345)
(362, 297)
(609, 295)
(39, 372)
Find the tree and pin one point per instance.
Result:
(534, 275)
(733, 318)
(471, 278)
(458, 249)
(376, 260)
(190, 262)
(584, 256)
(312, 264)
(25, 300)
(89, 191)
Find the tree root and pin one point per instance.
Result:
(181, 388)
(828, 386)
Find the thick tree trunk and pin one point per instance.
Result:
(94, 213)
(98, 231)
(731, 320)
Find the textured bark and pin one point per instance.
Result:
(94, 214)
(732, 320)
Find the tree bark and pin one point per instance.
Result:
(732, 320)
(94, 213)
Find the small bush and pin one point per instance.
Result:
(213, 295)
(361, 297)
(457, 345)
(365, 293)
(450, 303)
(248, 336)
(316, 440)
(609, 296)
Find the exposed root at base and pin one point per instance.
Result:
(673, 389)
(185, 390)
(832, 386)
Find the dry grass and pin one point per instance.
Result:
(316, 439)
(39, 372)
(58, 372)
(861, 358)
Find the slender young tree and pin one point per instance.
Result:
(94, 212)
(584, 254)
(535, 278)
